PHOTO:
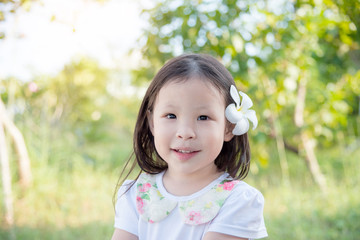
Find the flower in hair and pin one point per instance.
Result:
(239, 113)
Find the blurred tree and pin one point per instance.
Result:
(299, 59)
(10, 7)
(20, 146)
(6, 178)
(75, 117)
(68, 112)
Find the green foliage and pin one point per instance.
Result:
(72, 118)
(270, 47)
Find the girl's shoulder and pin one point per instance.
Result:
(245, 195)
(242, 213)
(246, 191)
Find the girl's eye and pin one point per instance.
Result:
(203, 118)
(170, 116)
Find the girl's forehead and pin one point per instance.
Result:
(200, 83)
(183, 88)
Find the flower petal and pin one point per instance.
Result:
(232, 114)
(235, 95)
(241, 127)
(251, 115)
(246, 102)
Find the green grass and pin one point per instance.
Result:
(298, 213)
(300, 210)
(77, 203)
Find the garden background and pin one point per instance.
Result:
(299, 60)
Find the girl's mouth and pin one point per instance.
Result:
(184, 155)
(183, 151)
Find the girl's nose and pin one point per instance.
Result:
(185, 132)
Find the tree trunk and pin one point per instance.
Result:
(312, 162)
(282, 153)
(308, 146)
(6, 178)
(23, 157)
(277, 134)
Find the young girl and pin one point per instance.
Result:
(191, 144)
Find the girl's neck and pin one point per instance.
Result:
(184, 185)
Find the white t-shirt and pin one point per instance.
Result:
(241, 214)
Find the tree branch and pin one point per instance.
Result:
(20, 146)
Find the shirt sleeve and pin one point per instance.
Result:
(126, 215)
(242, 214)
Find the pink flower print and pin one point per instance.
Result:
(151, 221)
(228, 185)
(139, 204)
(194, 217)
(145, 187)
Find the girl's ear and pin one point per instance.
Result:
(150, 120)
(228, 132)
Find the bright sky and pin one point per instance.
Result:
(55, 32)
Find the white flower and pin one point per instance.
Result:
(240, 114)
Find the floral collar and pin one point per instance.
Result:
(154, 207)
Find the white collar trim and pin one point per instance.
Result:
(165, 193)
(154, 203)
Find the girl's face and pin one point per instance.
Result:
(189, 127)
